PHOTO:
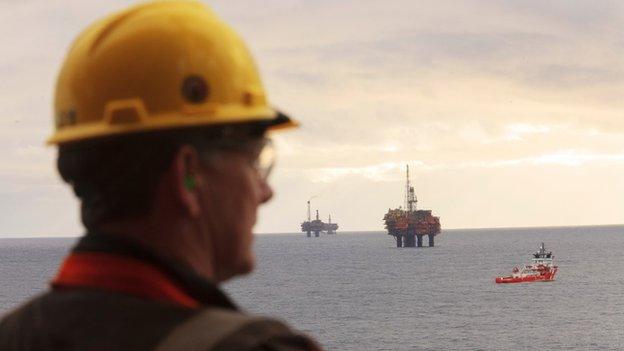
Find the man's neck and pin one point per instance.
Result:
(175, 242)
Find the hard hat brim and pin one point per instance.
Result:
(282, 121)
(274, 120)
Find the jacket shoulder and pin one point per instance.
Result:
(224, 330)
(89, 320)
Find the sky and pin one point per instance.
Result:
(509, 113)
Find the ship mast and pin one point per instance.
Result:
(410, 196)
(407, 187)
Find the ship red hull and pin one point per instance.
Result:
(547, 277)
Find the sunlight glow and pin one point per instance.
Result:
(381, 172)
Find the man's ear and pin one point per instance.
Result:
(186, 172)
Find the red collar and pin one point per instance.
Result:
(122, 274)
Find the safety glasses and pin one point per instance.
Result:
(266, 159)
(259, 152)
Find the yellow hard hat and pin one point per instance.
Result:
(158, 66)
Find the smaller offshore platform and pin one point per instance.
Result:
(409, 225)
(317, 226)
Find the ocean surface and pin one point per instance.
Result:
(357, 291)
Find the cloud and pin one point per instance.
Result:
(576, 158)
(392, 171)
(376, 173)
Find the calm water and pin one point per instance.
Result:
(357, 291)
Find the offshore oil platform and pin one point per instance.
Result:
(317, 226)
(409, 225)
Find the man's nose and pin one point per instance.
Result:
(266, 192)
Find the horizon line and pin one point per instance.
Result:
(366, 231)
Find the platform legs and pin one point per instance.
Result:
(409, 240)
(413, 240)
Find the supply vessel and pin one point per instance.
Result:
(409, 225)
(541, 269)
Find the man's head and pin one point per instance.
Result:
(161, 120)
(191, 190)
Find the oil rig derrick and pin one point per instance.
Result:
(330, 228)
(317, 226)
(408, 225)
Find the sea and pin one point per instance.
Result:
(358, 291)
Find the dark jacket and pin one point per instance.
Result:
(80, 316)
